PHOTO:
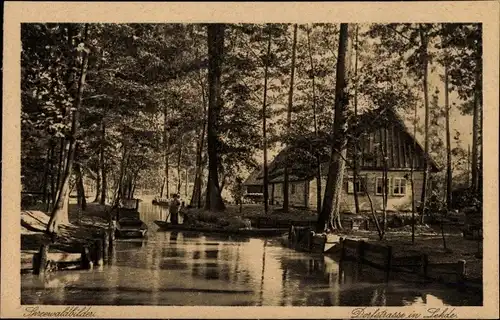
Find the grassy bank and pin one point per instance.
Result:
(249, 211)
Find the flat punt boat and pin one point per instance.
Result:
(267, 232)
(130, 228)
(160, 202)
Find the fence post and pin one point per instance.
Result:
(460, 272)
(389, 263)
(360, 256)
(40, 260)
(98, 249)
(85, 262)
(111, 240)
(310, 240)
(360, 251)
(342, 249)
(105, 245)
(425, 262)
(291, 235)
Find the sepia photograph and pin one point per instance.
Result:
(252, 164)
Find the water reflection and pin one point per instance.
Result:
(179, 268)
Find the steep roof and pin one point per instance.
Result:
(368, 122)
(253, 178)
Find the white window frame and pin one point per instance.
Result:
(397, 183)
(377, 179)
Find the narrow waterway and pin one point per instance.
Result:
(182, 268)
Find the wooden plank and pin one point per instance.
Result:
(391, 144)
(349, 243)
(98, 252)
(411, 157)
(376, 248)
(40, 260)
(442, 268)
(63, 257)
(85, 258)
(283, 223)
(401, 164)
(272, 194)
(405, 157)
(415, 260)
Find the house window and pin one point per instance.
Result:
(399, 186)
(255, 189)
(379, 185)
(293, 188)
(358, 187)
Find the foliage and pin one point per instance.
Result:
(136, 71)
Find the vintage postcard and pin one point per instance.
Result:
(250, 160)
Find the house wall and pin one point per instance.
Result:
(297, 193)
(394, 202)
(254, 189)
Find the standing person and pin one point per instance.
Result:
(174, 209)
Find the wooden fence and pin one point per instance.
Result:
(381, 256)
(305, 239)
(378, 256)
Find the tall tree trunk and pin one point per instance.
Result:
(186, 182)
(289, 119)
(468, 167)
(130, 186)
(104, 181)
(426, 130)
(355, 153)
(476, 131)
(167, 150)
(203, 165)
(45, 180)
(179, 171)
(315, 124)
(412, 181)
(264, 128)
(59, 215)
(60, 168)
(134, 185)
(385, 178)
(52, 176)
(118, 194)
(330, 212)
(215, 32)
(380, 231)
(69, 83)
(223, 182)
(80, 188)
(448, 138)
(196, 195)
(162, 186)
(98, 181)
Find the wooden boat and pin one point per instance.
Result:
(267, 232)
(160, 202)
(130, 227)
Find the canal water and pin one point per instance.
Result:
(190, 269)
